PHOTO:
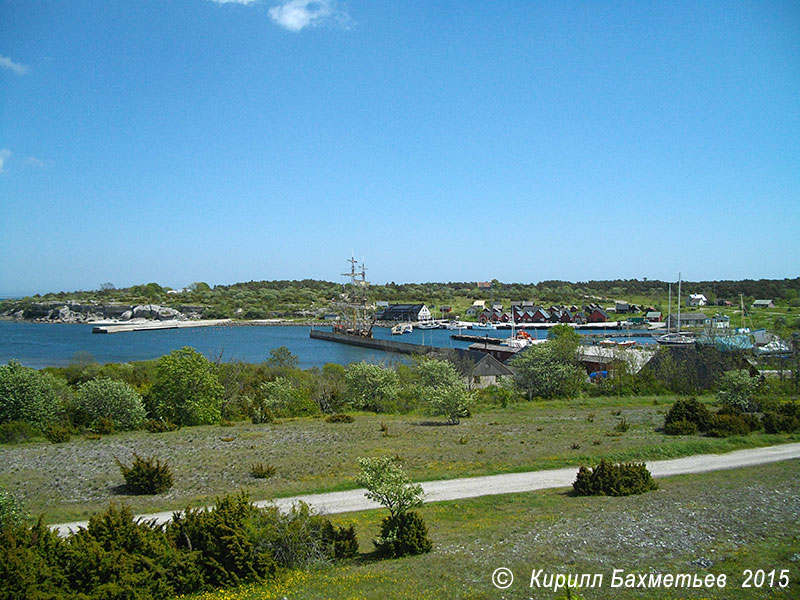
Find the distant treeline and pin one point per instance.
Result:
(258, 299)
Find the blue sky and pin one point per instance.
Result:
(198, 140)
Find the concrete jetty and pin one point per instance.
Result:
(155, 325)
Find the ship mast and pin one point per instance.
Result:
(354, 300)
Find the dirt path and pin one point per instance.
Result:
(470, 487)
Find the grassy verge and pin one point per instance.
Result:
(74, 480)
(713, 523)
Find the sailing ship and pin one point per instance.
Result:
(352, 304)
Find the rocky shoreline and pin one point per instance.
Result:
(142, 314)
(73, 312)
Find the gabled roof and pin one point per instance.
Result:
(400, 310)
(489, 366)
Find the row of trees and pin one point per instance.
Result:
(261, 297)
(185, 388)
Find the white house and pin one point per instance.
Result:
(696, 300)
(476, 308)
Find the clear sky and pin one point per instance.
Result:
(199, 140)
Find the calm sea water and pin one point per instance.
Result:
(44, 344)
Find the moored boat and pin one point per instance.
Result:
(675, 339)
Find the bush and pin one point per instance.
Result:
(340, 418)
(11, 511)
(104, 426)
(682, 427)
(260, 414)
(146, 475)
(15, 432)
(726, 425)
(279, 398)
(299, 538)
(452, 402)
(622, 425)
(609, 479)
(57, 433)
(262, 471)
(540, 371)
(119, 557)
(224, 540)
(28, 395)
(159, 426)
(493, 395)
(785, 419)
(186, 389)
(343, 541)
(403, 535)
(29, 563)
(690, 410)
(108, 399)
(737, 388)
(371, 387)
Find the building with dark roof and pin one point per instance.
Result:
(405, 312)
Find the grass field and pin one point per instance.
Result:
(71, 481)
(714, 523)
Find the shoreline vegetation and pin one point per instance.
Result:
(307, 302)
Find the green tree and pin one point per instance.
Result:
(539, 371)
(564, 341)
(403, 532)
(282, 358)
(738, 389)
(280, 398)
(186, 389)
(111, 399)
(370, 387)
(388, 484)
(450, 402)
(328, 389)
(28, 395)
(430, 373)
(443, 389)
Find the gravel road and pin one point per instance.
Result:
(470, 487)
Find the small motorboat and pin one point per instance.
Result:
(402, 328)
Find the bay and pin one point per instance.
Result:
(55, 344)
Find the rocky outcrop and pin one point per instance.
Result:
(156, 312)
(72, 312)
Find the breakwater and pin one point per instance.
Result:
(153, 325)
(374, 343)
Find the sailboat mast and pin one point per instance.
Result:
(669, 309)
(679, 302)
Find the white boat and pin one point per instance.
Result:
(455, 325)
(486, 326)
(402, 328)
(616, 344)
(519, 340)
(428, 325)
(675, 339)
